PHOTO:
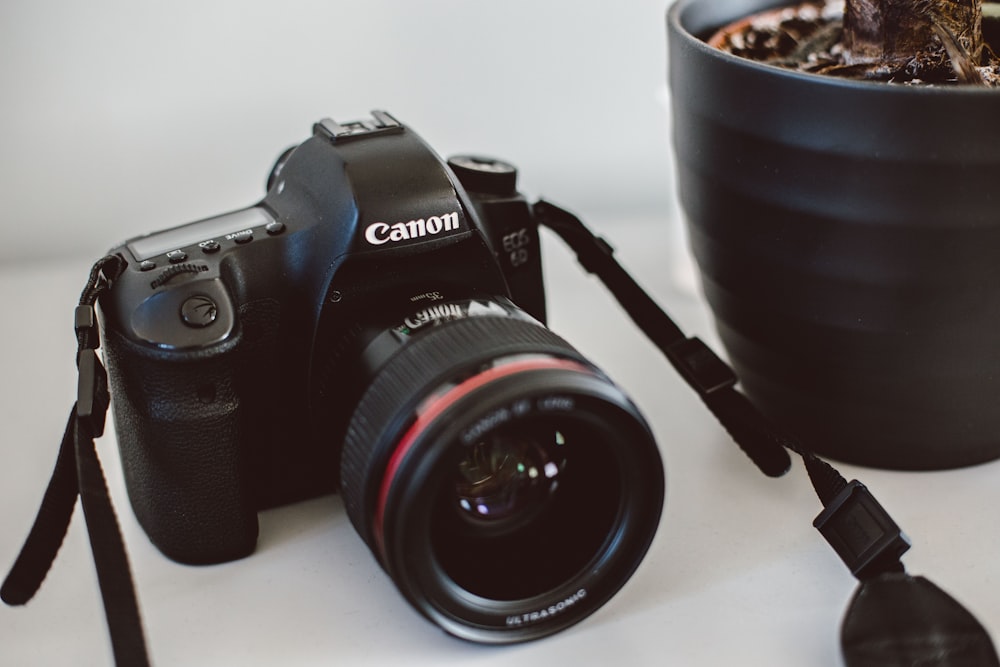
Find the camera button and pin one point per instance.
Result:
(209, 247)
(199, 311)
(176, 256)
(275, 228)
(243, 237)
(147, 265)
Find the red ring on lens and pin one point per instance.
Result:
(437, 406)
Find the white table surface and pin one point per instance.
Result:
(735, 576)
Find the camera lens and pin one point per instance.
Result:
(506, 486)
(503, 480)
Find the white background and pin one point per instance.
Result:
(121, 117)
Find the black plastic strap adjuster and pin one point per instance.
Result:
(85, 324)
(594, 257)
(862, 532)
(92, 396)
(700, 366)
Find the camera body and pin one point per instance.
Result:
(237, 346)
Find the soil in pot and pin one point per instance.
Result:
(894, 41)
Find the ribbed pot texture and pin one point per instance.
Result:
(847, 235)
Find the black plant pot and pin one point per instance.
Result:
(848, 239)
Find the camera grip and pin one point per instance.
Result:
(179, 428)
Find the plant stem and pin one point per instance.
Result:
(897, 31)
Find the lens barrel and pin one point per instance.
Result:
(508, 487)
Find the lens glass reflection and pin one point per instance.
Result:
(526, 507)
(505, 479)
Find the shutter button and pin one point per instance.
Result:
(199, 311)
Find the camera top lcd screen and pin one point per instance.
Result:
(155, 244)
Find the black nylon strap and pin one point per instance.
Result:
(49, 529)
(78, 472)
(121, 607)
(938, 631)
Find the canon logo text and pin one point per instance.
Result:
(380, 233)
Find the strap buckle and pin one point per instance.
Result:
(862, 532)
(92, 395)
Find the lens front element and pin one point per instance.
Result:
(504, 479)
(563, 519)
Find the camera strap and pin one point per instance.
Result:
(78, 472)
(894, 619)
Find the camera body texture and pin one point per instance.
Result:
(232, 342)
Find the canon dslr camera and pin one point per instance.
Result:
(374, 326)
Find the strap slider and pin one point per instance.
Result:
(862, 532)
(700, 367)
(595, 256)
(87, 331)
(92, 396)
